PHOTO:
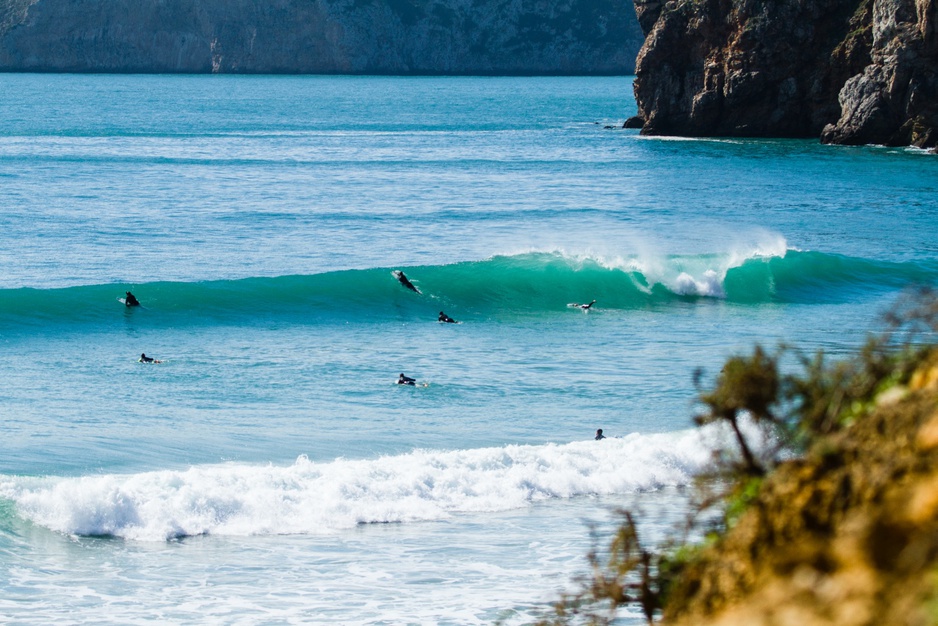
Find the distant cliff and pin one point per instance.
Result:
(320, 36)
(847, 71)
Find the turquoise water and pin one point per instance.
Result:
(270, 470)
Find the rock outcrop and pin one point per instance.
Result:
(320, 36)
(895, 99)
(848, 71)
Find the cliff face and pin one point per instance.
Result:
(320, 36)
(850, 71)
(895, 99)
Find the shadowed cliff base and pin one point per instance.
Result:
(456, 37)
(847, 71)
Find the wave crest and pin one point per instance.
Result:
(533, 282)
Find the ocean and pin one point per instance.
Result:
(269, 470)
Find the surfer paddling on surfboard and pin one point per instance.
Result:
(406, 380)
(585, 307)
(399, 275)
(145, 359)
(445, 318)
(130, 300)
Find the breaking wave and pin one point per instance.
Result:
(533, 283)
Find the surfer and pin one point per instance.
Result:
(130, 300)
(586, 307)
(405, 282)
(445, 318)
(145, 359)
(406, 380)
(599, 431)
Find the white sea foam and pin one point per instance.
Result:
(308, 497)
(679, 139)
(686, 275)
(710, 283)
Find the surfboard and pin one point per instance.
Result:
(413, 384)
(124, 302)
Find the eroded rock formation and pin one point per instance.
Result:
(895, 99)
(848, 71)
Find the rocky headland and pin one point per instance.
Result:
(847, 71)
(320, 36)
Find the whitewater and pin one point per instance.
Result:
(268, 469)
(309, 497)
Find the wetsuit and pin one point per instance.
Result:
(405, 282)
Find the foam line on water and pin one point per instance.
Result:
(308, 497)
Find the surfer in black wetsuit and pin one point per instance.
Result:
(406, 380)
(145, 359)
(599, 434)
(405, 282)
(130, 300)
(586, 307)
(445, 318)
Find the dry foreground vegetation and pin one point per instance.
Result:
(837, 524)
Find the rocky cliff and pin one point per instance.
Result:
(320, 36)
(848, 71)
